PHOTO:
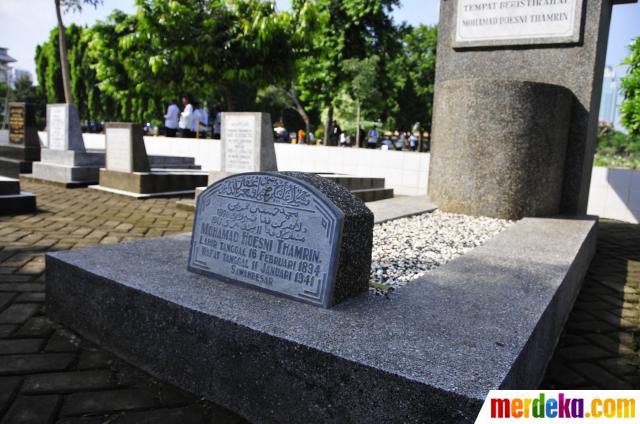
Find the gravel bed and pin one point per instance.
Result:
(404, 249)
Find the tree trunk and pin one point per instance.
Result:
(303, 113)
(328, 125)
(357, 123)
(64, 62)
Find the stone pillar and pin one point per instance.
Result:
(501, 147)
(507, 41)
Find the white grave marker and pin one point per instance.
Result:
(517, 22)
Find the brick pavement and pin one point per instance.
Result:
(50, 375)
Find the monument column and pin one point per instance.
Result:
(533, 53)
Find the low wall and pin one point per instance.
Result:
(615, 194)
(405, 172)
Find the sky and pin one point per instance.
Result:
(26, 23)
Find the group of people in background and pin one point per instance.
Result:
(191, 122)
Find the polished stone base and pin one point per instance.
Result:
(13, 204)
(430, 352)
(16, 160)
(151, 184)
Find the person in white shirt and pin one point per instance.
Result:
(171, 119)
(186, 118)
(200, 120)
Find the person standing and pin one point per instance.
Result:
(217, 126)
(171, 119)
(372, 142)
(186, 118)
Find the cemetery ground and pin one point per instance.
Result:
(48, 374)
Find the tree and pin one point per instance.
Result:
(362, 89)
(25, 91)
(631, 88)
(84, 91)
(341, 30)
(66, 5)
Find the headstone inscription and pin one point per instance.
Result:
(247, 143)
(22, 125)
(125, 148)
(63, 128)
(519, 44)
(515, 22)
(294, 234)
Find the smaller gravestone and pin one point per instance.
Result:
(66, 160)
(63, 128)
(125, 148)
(247, 143)
(293, 234)
(128, 171)
(22, 125)
(22, 148)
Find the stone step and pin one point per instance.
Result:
(355, 183)
(373, 194)
(169, 162)
(12, 168)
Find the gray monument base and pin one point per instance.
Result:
(16, 160)
(12, 200)
(157, 183)
(68, 167)
(429, 353)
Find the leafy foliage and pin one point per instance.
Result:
(631, 88)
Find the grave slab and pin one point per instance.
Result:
(128, 171)
(428, 353)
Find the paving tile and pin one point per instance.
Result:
(32, 410)
(14, 346)
(73, 381)
(107, 401)
(18, 313)
(32, 363)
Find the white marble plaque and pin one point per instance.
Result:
(119, 150)
(58, 126)
(516, 22)
(240, 143)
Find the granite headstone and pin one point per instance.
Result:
(125, 148)
(22, 126)
(294, 234)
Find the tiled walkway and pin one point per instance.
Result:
(48, 375)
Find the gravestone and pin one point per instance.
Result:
(23, 145)
(293, 234)
(125, 148)
(128, 171)
(515, 47)
(247, 143)
(63, 128)
(12, 200)
(66, 161)
(22, 125)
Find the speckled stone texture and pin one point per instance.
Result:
(428, 353)
(354, 259)
(500, 147)
(578, 67)
(332, 222)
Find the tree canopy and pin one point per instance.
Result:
(232, 54)
(631, 88)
